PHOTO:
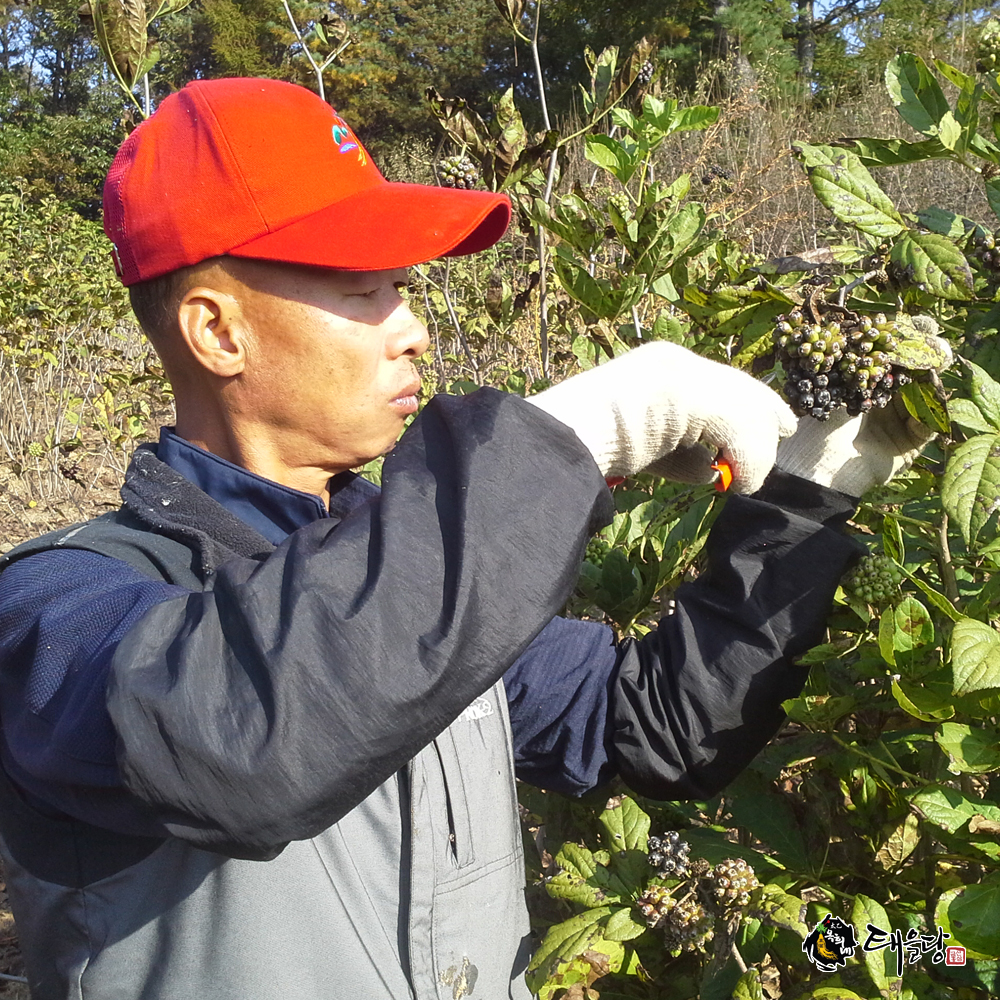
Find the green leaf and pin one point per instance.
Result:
(939, 220)
(748, 986)
(919, 99)
(933, 263)
(929, 701)
(961, 80)
(968, 416)
(892, 539)
(845, 187)
(582, 880)
(603, 74)
(949, 809)
(626, 826)
(566, 940)
(756, 805)
(913, 625)
(922, 403)
(621, 926)
(695, 118)
(992, 187)
(618, 579)
(577, 281)
(971, 914)
(971, 751)
(894, 152)
(970, 488)
(975, 656)
(613, 156)
(906, 627)
(576, 861)
(899, 845)
(984, 391)
(881, 965)
(831, 993)
(780, 909)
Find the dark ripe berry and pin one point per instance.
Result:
(669, 855)
(645, 74)
(851, 356)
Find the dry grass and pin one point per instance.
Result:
(73, 405)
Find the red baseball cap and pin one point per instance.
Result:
(265, 169)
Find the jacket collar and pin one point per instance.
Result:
(274, 511)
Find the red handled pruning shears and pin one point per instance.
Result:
(725, 478)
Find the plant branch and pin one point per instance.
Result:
(875, 760)
(948, 578)
(543, 320)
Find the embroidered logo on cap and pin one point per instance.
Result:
(345, 140)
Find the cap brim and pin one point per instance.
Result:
(388, 226)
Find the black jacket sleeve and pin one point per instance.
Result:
(265, 708)
(698, 697)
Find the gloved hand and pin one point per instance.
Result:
(663, 402)
(853, 454)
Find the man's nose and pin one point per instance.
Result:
(412, 337)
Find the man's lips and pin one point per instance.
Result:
(407, 397)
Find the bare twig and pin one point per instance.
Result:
(543, 319)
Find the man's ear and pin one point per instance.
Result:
(216, 332)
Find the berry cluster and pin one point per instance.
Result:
(458, 172)
(715, 171)
(655, 905)
(987, 252)
(875, 580)
(732, 882)
(688, 926)
(669, 855)
(597, 550)
(830, 364)
(645, 74)
(988, 50)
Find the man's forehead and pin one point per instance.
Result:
(254, 270)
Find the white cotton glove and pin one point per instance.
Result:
(663, 408)
(853, 454)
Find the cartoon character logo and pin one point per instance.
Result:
(345, 140)
(831, 943)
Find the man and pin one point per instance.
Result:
(255, 738)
